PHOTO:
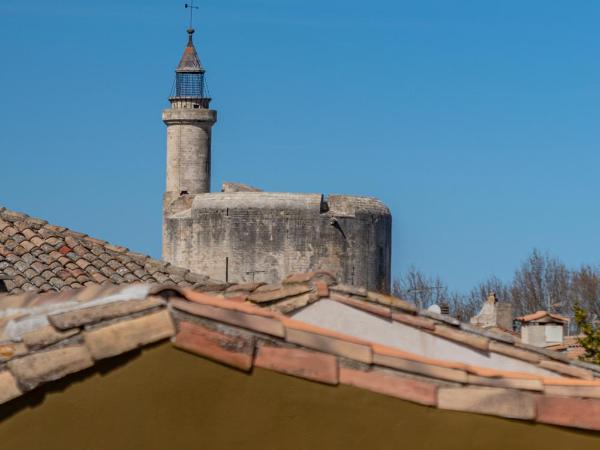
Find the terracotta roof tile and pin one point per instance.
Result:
(243, 317)
(494, 401)
(314, 366)
(387, 384)
(541, 315)
(37, 256)
(570, 412)
(366, 306)
(105, 320)
(232, 350)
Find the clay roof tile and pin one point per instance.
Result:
(43, 257)
(541, 315)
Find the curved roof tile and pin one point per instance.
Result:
(38, 257)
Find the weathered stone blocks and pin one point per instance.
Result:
(234, 351)
(45, 336)
(86, 315)
(295, 302)
(568, 370)
(361, 304)
(112, 340)
(461, 337)
(570, 412)
(428, 370)
(414, 321)
(512, 351)
(245, 237)
(494, 401)
(301, 363)
(330, 344)
(272, 292)
(258, 323)
(395, 386)
(11, 350)
(50, 365)
(8, 387)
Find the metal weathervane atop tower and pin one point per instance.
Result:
(192, 8)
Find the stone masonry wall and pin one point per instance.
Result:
(188, 149)
(259, 236)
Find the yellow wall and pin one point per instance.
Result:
(165, 399)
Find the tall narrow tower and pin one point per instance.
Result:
(189, 121)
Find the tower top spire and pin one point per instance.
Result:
(190, 84)
(190, 62)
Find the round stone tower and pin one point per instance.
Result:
(189, 122)
(251, 236)
(264, 236)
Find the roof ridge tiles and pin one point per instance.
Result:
(586, 365)
(540, 315)
(557, 381)
(307, 327)
(397, 353)
(228, 303)
(234, 332)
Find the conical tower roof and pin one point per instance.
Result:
(190, 62)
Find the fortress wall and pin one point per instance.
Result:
(258, 236)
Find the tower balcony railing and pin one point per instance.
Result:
(190, 102)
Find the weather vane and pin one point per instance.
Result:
(192, 8)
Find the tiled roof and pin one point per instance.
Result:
(538, 315)
(36, 256)
(189, 60)
(46, 337)
(570, 347)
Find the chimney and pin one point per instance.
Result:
(504, 317)
(542, 328)
(494, 314)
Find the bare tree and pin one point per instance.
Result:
(585, 286)
(463, 307)
(541, 283)
(415, 286)
(493, 284)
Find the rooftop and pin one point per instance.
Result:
(44, 337)
(543, 316)
(190, 62)
(36, 256)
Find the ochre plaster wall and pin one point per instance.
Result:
(165, 399)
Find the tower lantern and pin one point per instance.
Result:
(190, 84)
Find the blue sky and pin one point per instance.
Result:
(476, 122)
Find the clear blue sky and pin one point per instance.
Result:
(476, 122)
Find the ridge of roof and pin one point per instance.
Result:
(36, 256)
(71, 330)
(540, 315)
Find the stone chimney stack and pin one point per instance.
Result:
(494, 314)
(504, 316)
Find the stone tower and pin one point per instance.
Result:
(189, 121)
(246, 235)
